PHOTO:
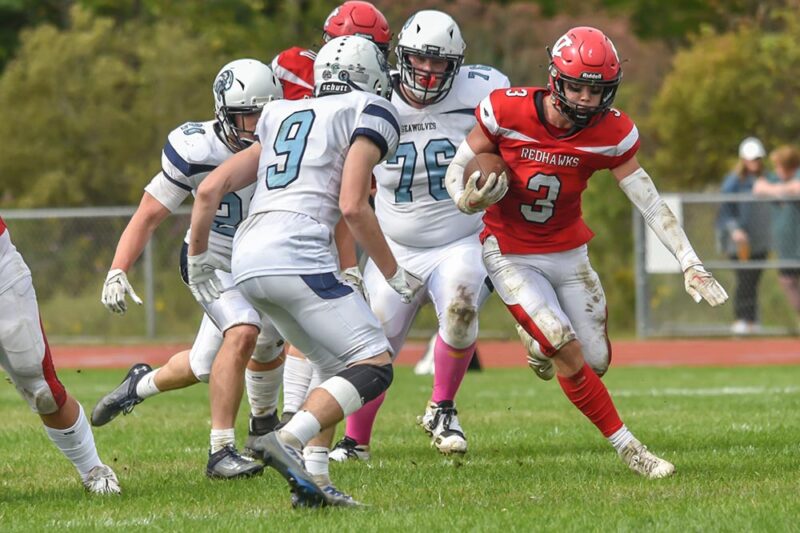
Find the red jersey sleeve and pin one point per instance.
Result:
(295, 68)
(2, 226)
(612, 142)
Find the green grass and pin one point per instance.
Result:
(534, 462)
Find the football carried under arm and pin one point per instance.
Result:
(469, 197)
(699, 283)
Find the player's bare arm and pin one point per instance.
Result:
(148, 216)
(143, 223)
(354, 204)
(639, 187)
(237, 172)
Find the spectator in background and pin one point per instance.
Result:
(743, 228)
(785, 182)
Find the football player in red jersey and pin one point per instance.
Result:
(534, 242)
(25, 356)
(295, 68)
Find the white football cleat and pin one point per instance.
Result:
(348, 449)
(440, 421)
(102, 480)
(541, 365)
(643, 462)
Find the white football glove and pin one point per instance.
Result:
(114, 290)
(701, 285)
(352, 276)
(405, 284)
(203, 281)
(474, 199)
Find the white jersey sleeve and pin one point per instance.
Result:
(169, 193)
(412, 204)
(184, 164)
(379, 122)
(191, 152)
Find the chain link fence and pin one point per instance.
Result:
(69, 252)
(752, 280)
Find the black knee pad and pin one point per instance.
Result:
(369, 380)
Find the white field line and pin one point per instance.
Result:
(664, 392)
(715, 391)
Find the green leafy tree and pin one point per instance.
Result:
(721, 89)
(88, 109)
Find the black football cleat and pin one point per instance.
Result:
(227, 463)
(288, 461)
(122, 399)
(258, 426)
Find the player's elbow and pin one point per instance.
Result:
(208, 192)
(353, 211)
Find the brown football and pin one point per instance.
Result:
(487, 163)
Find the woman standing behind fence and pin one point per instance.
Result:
(743, 228)
(785, 216)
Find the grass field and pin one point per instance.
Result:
(534, 462)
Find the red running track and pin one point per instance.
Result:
(495, 354)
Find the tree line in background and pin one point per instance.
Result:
(91, 88)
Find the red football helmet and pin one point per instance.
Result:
(584, 56)
(361, 19)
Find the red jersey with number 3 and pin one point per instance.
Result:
(295, 68)
(541, 213)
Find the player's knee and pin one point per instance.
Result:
(44, 401)
(358, 384)
(38, 394)
(268, 350)
(200, 362)
(460, 327)
(555, 330)
(242, 339)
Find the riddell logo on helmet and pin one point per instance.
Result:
(591, 76)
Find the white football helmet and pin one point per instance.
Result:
(242, 87)
(351, 63)
(430, 34)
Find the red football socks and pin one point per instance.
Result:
(589, 394)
